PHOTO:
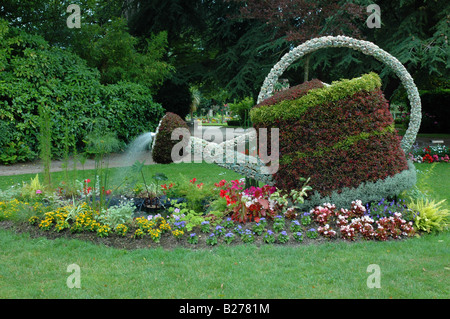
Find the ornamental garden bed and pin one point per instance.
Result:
(257, 215)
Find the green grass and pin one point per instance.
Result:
(435, 179)
(204, 172)
(37, 268)
(414, 268)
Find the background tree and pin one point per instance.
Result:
(121, 57)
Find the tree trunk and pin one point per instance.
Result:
(306, 69)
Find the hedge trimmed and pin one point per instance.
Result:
(163, 144)
(339, 143)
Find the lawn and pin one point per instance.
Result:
(37, 268)
(435, 179)
(203, 172)
(413, 268)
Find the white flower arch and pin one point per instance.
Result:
(367, 48)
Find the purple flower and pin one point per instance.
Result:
(193, 234)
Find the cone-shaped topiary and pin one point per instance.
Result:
(341, 136)
(163, 144)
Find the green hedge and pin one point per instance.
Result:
(35, 74)
(163, 144)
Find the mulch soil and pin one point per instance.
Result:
(167, 241)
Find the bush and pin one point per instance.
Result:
(35, 74)
(163, 144)
(242, 109)
(339, 136)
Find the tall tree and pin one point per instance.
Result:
(297, 21)
(301, 20)
(417, 33)
(103, 40)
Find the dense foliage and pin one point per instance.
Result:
(36, 74)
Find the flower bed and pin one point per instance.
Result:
(429, 154)
(257, 215)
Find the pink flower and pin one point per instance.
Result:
(38, 192)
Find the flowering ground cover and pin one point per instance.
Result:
(201, 215)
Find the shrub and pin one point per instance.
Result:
(163, 145)
(242, 109)
(35, 74)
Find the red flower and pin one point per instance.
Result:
(427, 158)
(223, 193)
(108, 192)
(200, 185)
(221, 183)
(87, 181)
(229, 200)
(193, 180)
